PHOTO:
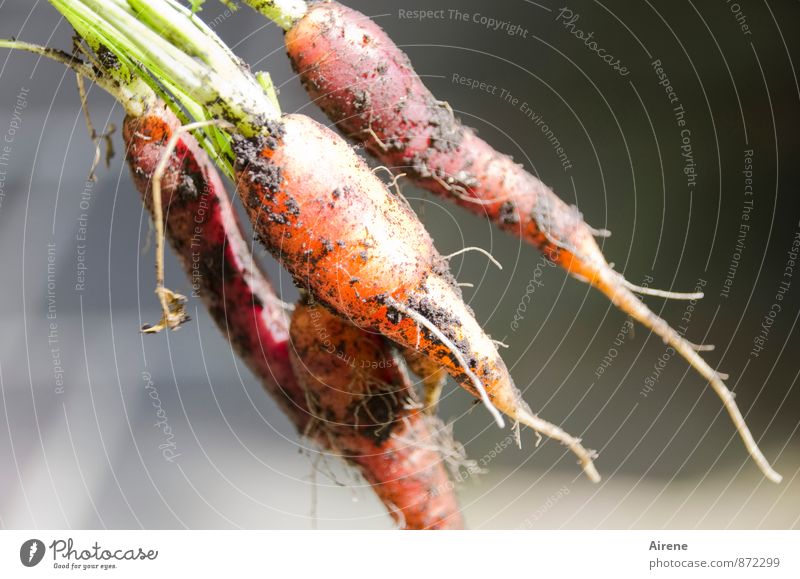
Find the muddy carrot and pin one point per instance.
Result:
(362, 252)
(364, 405)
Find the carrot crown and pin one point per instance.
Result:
(178, 52)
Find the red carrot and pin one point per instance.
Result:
(369, 89)
(205, 234)
(365, 407)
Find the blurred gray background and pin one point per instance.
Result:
(86, 453)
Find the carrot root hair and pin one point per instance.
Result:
(599, 232)
(648, 291)
(479, 250)
(621, 294)
(541, 426)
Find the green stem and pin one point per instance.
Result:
(187, 38)
(224, 88)
(284, 13)
(130, 91)
(133, 93)
(215, 141)
(64, 58)
(265, 80)
(208, 34)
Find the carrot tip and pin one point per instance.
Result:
(541, 426)
(620, 292)
(774, 476)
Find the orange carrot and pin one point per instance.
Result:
(361, 251)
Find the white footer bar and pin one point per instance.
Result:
(406, 555)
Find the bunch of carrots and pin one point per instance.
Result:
(378, 299)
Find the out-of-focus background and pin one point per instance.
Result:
(79, 439)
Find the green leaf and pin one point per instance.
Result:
(197, 5)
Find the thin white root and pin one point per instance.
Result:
(738, 421)
(465, 284)
(476, 382)
(172, 310)
(374, 135)
(479, 250)
(462, 194)
(703, 347)
(500, 344)
(446, 106)
(599, 232)
(394, 183)
(633, 306)
(540, 426)
(395, 178)
(661, 293)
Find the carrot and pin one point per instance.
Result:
(368, 88)
(205, 234)
(362, 252)
(314, 203)
(399, 458)
(365, 406)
